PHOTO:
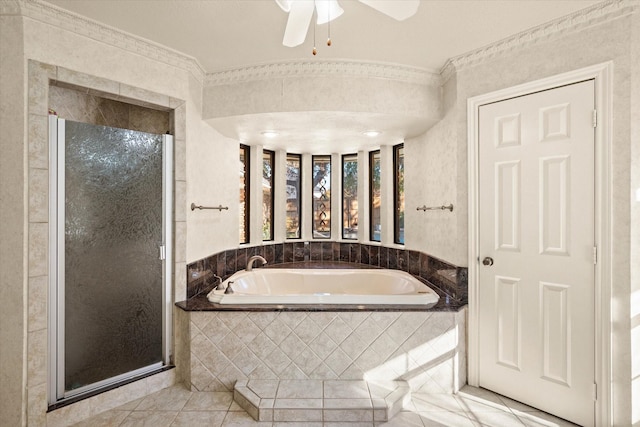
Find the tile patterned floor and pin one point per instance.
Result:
(472, 407)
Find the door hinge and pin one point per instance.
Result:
(163, 252)
(594, 118)
(595, 255)
(595, 391)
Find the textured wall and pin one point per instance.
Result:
(434, 168)
(634, 302)
(12, 219)
(426, 349)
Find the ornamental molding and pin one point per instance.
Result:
(593, 15)
(69, 21)
(321, 68)
(9, 7)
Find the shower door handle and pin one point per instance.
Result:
(163, 252)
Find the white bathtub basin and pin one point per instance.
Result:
(325, 286)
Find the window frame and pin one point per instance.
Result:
(396, 193)
(299, 196)
(344, 157)
(372, 155)
(313, 211)
(272, 158)
(247, 193)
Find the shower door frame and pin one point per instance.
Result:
(56, 301)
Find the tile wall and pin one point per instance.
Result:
(426, 349)
(447, 277)
(81, 106)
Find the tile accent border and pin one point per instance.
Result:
(450, 279)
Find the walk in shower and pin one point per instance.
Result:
(110, 249)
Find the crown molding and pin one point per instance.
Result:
(9, 7)
(345, 68)
(54, 15)
(593, 15)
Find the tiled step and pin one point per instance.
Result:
(321, 400)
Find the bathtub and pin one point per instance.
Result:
(325, 286)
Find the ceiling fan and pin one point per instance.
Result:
(301, 14)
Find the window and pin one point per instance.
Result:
(350, 196)
(268, 160)
(398, 191)
(374, 196)
(321, 197)
(293, 195)
(244, 194)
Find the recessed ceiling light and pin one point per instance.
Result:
(269, 133)
(371, 133)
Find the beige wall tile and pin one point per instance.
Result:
(38, 195)
(38, 249)
(180, 122)
(141, 96)
(38, 133)
(181, 201)
(39, 75)
(179, 160)
(37, 357)
(87, 81)
(37, 405)
(180, 241)
(180, 282)
(38, 291)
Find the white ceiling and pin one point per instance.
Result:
(224, 34)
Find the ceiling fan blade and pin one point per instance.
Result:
(397, 9)
(298, 23)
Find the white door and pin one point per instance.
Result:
(536, 247)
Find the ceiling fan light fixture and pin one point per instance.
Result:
(327, 10)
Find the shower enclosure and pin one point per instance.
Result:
(110, 266)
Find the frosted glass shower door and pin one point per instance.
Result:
(112, 228)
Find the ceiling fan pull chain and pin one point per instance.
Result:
(329, 26)
(314, 51)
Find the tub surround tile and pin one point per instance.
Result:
(372, 346)
(279, 255)
(315, 249)
(300, 252)
(287, 250)
(384, 257)
(447, 279)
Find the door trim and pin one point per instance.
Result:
(603, 76)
